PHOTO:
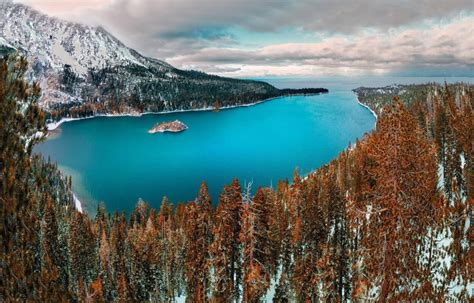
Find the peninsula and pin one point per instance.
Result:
(175, 126)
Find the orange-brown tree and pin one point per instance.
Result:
(225, 249)
(400, 206)
(199, 237)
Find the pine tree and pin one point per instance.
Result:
(123, 290)
(199, 237)
(117, 240)
(401, 202)
(339, 252)
(261, 208)
(440, 123)
(255, 281)
(283, 222)
(221, 250)
(204, 239)
(314, 229)
(256, 244)
(226, 248)
(82, 253)
(51, 246)
(137, 262)
(49, 279)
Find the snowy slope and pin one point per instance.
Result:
(55, 42)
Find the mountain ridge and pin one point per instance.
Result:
(86, 71)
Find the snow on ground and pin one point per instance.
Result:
(77, 203)
(443, 242)
(273, 284)
(65, 57)
(441, 177)
(4, 42)
(271, 291)
(268, 296)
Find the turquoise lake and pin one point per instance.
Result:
(115, 161)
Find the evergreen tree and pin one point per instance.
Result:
(226, 247)
(82, 252)
(401, 202)
(255, 240)
(51, 246)
(261, 209)
(199, 238)
(314, 229)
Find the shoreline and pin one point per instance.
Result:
(54, 125)
(308, 175)
(366, 106)
(371, 110)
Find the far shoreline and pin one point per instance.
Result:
(54, 125)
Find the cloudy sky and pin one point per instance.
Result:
(246, 38)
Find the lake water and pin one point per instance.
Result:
(115, 160)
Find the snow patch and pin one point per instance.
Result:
(273, 285)
(65, 57)
(5, 43)
(441, 177)
(77, 203)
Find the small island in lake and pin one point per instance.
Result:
(303, 91)
(175, 126)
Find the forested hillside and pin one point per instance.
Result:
(389, 220)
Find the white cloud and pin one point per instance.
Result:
(443, 46)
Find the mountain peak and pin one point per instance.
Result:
(55, 42)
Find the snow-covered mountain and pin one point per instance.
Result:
(77, 65)
(55, 42)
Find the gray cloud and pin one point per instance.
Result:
(198, 33)
(150, 24)
(440, 47)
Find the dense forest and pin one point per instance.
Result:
(188, 90)
(389, 220)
